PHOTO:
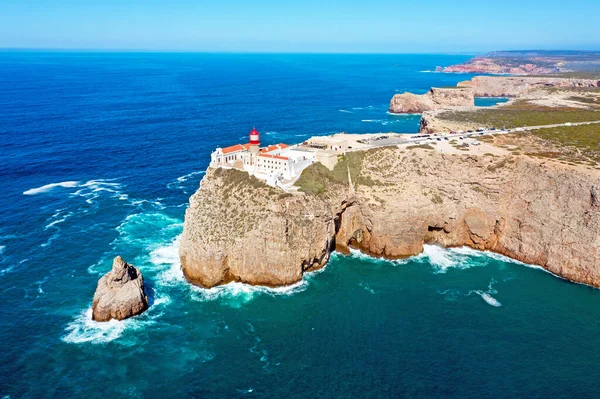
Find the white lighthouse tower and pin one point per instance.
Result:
(254, 146)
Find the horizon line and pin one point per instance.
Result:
(142, 50)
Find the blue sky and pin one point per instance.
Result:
(300, 26)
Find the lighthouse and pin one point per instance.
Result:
(254, 145)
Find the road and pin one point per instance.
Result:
(391, 139)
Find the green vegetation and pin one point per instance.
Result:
(423, 146)
(499, 165)
(583, 141)
(436, 199)
(238, 178)
(316, 178)
(586, 100)
(521, 115)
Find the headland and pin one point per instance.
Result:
(532, 62)
(530, 191)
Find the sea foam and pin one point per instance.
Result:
(488, 298)
(236, 294)
(48, 187)
(83, 329)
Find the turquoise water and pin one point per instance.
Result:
(489, 101)
(100, 153)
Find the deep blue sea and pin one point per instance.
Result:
(99, 153)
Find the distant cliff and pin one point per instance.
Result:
(238, 229)
(436, 98)
(534, 62)
(513, 86)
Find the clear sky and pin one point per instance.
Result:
(301, 26)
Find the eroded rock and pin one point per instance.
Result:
(436, 98)
(120, 293)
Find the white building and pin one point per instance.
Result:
(273, 163)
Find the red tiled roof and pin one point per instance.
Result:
(270, 148)
(237, 147)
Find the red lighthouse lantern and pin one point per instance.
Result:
(254, 137)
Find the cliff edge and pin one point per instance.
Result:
(436, 98)
(388, 202)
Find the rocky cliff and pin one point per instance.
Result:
(544, 214)
(436, 98)
(491, 65)
(513, 86)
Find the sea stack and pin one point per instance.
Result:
(120, 293)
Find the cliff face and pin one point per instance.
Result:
(240, 231)
(542, 214)
(436, 98)
(513, 86)
(500, 66)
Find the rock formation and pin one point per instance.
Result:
(513, 86)
(120, 293)
(490, 65)
(436, 98)
(544, 214)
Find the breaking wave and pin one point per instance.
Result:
(179, 183)
(236, 294)
(82, 329)
(488, 298)
(48, 187)
(57, 218)
(443, 259)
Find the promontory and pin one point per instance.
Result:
(530, 194)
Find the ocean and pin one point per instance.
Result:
(99, 155)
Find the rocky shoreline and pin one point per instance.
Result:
(527, 63)
(463, 95)
(535, 212)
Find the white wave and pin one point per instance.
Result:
(57, 218)
(488, 298)
(49, 241)
(235, 294)
(179, 182)
(48, 187)
(83, 329)
(155, 204)
(367, 288)
(345, 111)
(12, 267)
(367, 107)
(443, 259)
(184, 178)
(7, 270)
(40, 283)
(439, 257)
(371, 120)
(168, 255)
(400, 114)
(271, 133)
(2, 248)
